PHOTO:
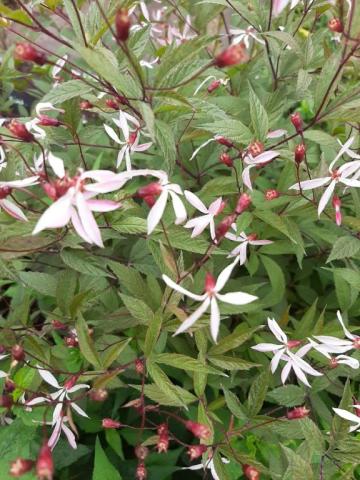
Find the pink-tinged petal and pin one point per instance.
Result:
(237, 298)
(57, 215)
(127, 160)
(48, 377)
(107, 186)
(260, 242)
(124, 125)
(276, 359)
(246, 176)
(79, 410)
(175, 286)
(156, 212)
(78, 387)
(350, 182)
(351, 417)
(75, 220)
(56, 164)
(268, 347)
(198, 224)
(26, 182)
(350, 362)
(215, 205)
(285, 372)
(274, 133)
(189, 322)
(265, 157)
(240, 252)
(99, 175)
(224, 276)
(309, 184)
(121, 154)
(346, 331)
(214, 319)
(195, 201)
(212, 229)
(70, 436)
(277, 331)
(112, 134)
(301, 375)
(102, 205)
(349, 168)
(57, 414)
(37, 401)
(179, 209)
(143, 147)
(54, 438)
(13, 210)
(199, 148)
(325, 197)
(333, 341)
(279, 6)
(88, 221)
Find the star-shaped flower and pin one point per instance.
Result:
(200, 223)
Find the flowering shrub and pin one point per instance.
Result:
(180, 239)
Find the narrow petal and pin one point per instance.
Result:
(199, 148)
(75, 220)
(175, 286)
(195, 201)
(214, 319)
(102, 205)
(350, 182)
(276, 359)
(351, 417)
(70, 436)
(13, 210)
(57, 165)
(326, 197)
(346, 331)
(54, 438)
(224, 276)
(112, 134)
(267, 347)
(88, 221)
(124, 125)
(79, 410)
(189, 322)
(179, 209)
(157, 212)
(300, 375)
(246, 176)
(310, 184)
(198, 224)
(237, 298)
(277, 330)
(57, 215)
(48, 377)
(285, 372)
(350, 362)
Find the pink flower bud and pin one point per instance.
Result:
(141, 452)
(9, 386)
(71, 381)
(335, 25)
(293, 343)
(163, 441)
(224, 141)
(141, 472)
(195, 451)
(299, 153)
(224, 226)
(20, 466)
(210, 283)
(139, 366)
(28, 53)
(45, 464)
(213, 86)
(111, 103)
(122, 24)
(5, 401)
(152, 189)
(150, 200)
(98, 395)
(57, 325)
(233, 55)
(18, 353)
(243, 203)
(357, 410)
(71, 342)
(226, 159)
(85, 105)
(250, 472)
(271, 194)
(199, 430)
(255, 148)
(5, 192)
(47, 121)
(336, 202)
(297, 412)
(110, 423)
(20, 131)
(296, 120)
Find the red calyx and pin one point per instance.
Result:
(98, 395)
(195, 451)
(71, 381)
(28, 53)
(210, 282)
(47, 121)
(141, 472)
(4, 192)
(45, 463)
(357, 410)
(20, 131)
(71, 342)
(293, 343)
(298, 412)
(9, 386)
(243, 203)
(57, 325)
(224, 226)
(122, 25)
(233, 55)
(271, 194)
(250, 472)
(213, 86)
(150, 190)
(255, 148)
(150, 200)
(224, 141)
(163, 441)
(17, 353)
(335, 25)
(226, 159)
(141, 452)
(86, 105)
(198, 429)
(20, 466)
(296, 120)
(5, 401)
(110, 423)
(139, 366)
(299, 153)
(111, 103)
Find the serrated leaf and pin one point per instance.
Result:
(137, 308)
(231, 341)
(257, 393)
(230, 129)
(184, 362)
(86, 344)
(40, 282)
(112, 353)
(259, 118)
(298, 468)
(344, 247)
(234, 405)
(287, 395)
(166, 140)
(153, 333)
(103, 468)
(66, 91)
(231, 363)
(164, 383)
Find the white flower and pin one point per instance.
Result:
(61, 427)
(335, 361)
(174, 33)
(252, 162)
(61, 396)
(280, 5)
(351, 417)
(295, 362)
(200, 223)
(57, 68)
(245, 35)
(336, 176)
(208, 464)
(5, 190)
(210, 299)
(244, 240)
(131, 143)
(336, 345)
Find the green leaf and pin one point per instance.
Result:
(153, 333)
(287, 395)
(231, 341)
(164, 383)
(71, 13)
(230, 129)
(257, 393)
(137, 308)
(66, 91)
(86, 344)
(112, 353)
(84, 263)
(340, 427)
(344, 247)
(259, 118)
(325, 85)
(298, 468)
(231, 363)
(130, 225)
(234, 405)
(166, 140)
(65, 289)
(184, 362)
(157, 395)
(40, 282)
(103, 468)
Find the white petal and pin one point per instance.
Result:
(189, 322)
(124, 125)
(112, 134)
(285, 372)
(175, 286)
(237, 298)
(48, 377)
(12, 209)
(326, 197)
(199, 148)
(57, 215)
(346, 331)
(351, 417)
(56, 164)
(88, 221)
(214, 319)
(276, 359)
(224, 276)
(350, 362)
(70, 436)
(277, 330)
(309, 184)
(179, 209)
(300, 375)
(75, 220)
(198, 224)
(350, 182)
(156, 212)
(267, 347)
(195, 201)
(54, 438)
(246, 176)
(79, 410)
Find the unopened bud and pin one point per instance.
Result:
(111, 103)
(20, 131)
(85, 105)
(250, 472)
(110, 423)
(98, 395)
(141, 472)
(18, 353)
(57, 325)
(243, 203)
(195, 451)
(71, 342)
(299, 153)
(20, 466)
(45, 464)
(335, 25)
(9, 386)
(5, 401)
(139, 366)
(271, 194)
(152, 189)
(163, 441)
(150, 200)
(122, 24)
(296, 120)
(199, 430)
(233, 55)
(213, 85)
(71, 381)
(336, 203)
(224, 141)
(5, 192)
(47, 121)
(28, 53)
(226, 159)
(255, 148)
(141, 452)
(297, 412)
(224, 226)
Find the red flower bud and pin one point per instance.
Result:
(4, 192)
(255, 148)
(110, 423)
(5, 401)
(243, 203)
(20, 466)
(296, 120)
(141, 452)
(333, 363)
(195, 451)
(198, 429)
(28, 53)
(250, 472)
(20, 131)
(271, 194)
(232, 56)
(335, 25)
(9, 386)
(57, 325)
(224, 141)
(111, 103)
(298, 412)
(139, 366)
(293, 343)
(152, 189)
(71, 342)
(45, 464)
(150, 200)
(299, 153)
(141, 472)
(213, 86)
(226, 159)
(47, 121)
(50, 190)
(98, 395)
(122, 25)
(336, 202)
(71, 381)
(18, 353)
(210, 282)
(163, 441)
(85, 105)
(224, 226)
(357, 410)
